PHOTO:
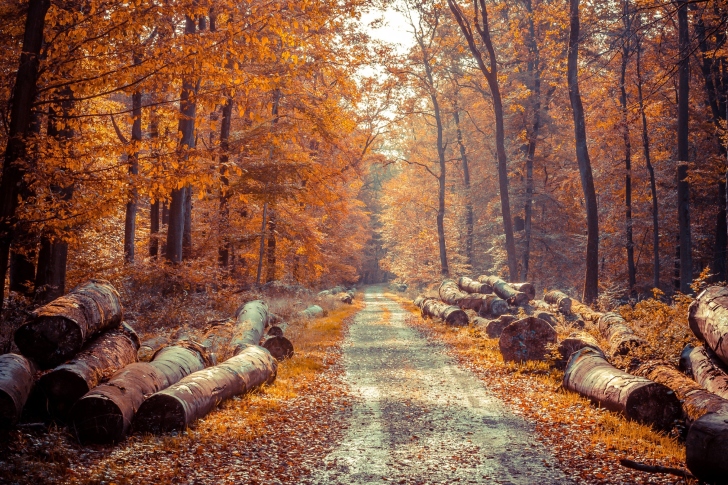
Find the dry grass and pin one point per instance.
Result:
(581, 435)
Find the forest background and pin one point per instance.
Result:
(208, 146)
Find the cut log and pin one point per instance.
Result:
(227, 338)
(314, 311)
(547, 317)
(708, 318)
(57, 331)
(573, 343)
(101, 358)
(638, 398)
(622, 339)
(705, 368)
(16, 382)
(491, 305)
(279, 346)
(449, 314)
(346, 298)
(181, 404)
(706, 449)
(450, 293)
(584, 311)
(494, 328)
(104, 415)
(504, 290)
(526, 339)
(561, 300)
(526, 288)
(149, 347)
(696, 401)
(471, 286)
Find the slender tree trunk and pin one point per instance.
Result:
(187, 232)
(154, 215)
(591, 279)
(683, 188)
(626, 52)
(178, 205)
(224, 249)
(651, 170)
(131, 205)
(20, 120)
(444, 269)
(466, 183)
(262, 245)
(270, 274)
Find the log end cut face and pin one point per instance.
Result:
(98, 420)
(280, 347)
(526, 339)
(707, 447)
(50, 341)
(654, 404)
(161, 413)
(63, 388)
(16, 384)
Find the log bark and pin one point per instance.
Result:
(346, 298)
(589, 374)
(491, 305)
(314, 311)
(451, 315)
(494, 328)
(148, 348)
(104, 415)
(471, 286)
(584, 311)
(705, 368)
(561, 300)
(706, 448)
(708, 318)
(450, 292)
(547, 317)
(504, 290)
(526, 288)
(101, 358)
(181, 404)
(16, 382)
(696, 401)
(622, 339)
(57, 331)
(573, 343)
(526, 339)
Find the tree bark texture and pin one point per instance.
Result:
(622, 339)
(104, 415)
(466, 187)
(626, 52)
(224, 249)
(131, 205)
(16, 382)
(526, 339)
(58, 330)
(591, 278)
(506, 291)
(706, 369)
(149, 347)
(434, 308)
(561, 300)
(585, 311)
(706, 449)
(590, 374)
(471, 286)
(492, 306)
(193, 397)
(101, 358)
(708, 319)
(526, 288)
(20, 119)
(573, 343)
(683, 147)
(696, 401)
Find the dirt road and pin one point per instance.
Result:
(420, 419)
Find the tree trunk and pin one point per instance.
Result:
(154, 216)
(58, 330)
(622, 339)
(683, 147)
(224, 250)
(193, 397)
(270, 274)
(589, 374)
(441, 179)
(651, 170)
(626, 52)
(472, 286)
(696, 401)
(187, 232)
(591, 278)
(706, 369)
(561, 300)
(505, 291)
(16, 382)
(20, 119)
(186, 127)
(131, 205)
(433, 308)
(104, 415)
(526, 339)
(526, 288)
(708, 318)
(573, 343)
(466, 186)
(259, 273)
(102, 357)
(706, 447)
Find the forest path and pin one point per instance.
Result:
(422, 419)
